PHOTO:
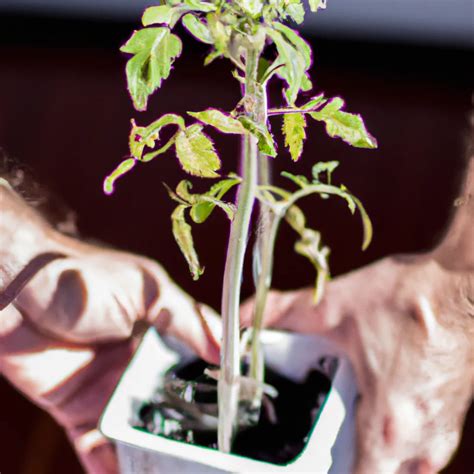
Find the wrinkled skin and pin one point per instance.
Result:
(407, 325)
(67, 337)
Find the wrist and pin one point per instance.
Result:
(24, 236)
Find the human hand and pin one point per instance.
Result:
(407, 325)
(66, 338)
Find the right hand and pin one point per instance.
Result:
(407, 325)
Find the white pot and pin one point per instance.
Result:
(330, 446)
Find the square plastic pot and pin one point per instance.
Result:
(330, 445)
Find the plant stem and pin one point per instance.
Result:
(266, 249)
(228, 387)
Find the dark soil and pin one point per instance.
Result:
(281, 441)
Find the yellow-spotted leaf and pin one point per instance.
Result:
(196, 152)
(294, 132)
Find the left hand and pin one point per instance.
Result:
(68, 335)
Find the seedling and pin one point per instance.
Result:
(255, 37)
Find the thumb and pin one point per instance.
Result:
(296, 310)
(176, 314)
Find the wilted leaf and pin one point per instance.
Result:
(147, 136)
(184, 239)
(294, 131)
(309, 246)
(366, 223)
(154, 50)
(265, 140)
(198, 29)
(149, 156)
(203, 204)
(349, 127)
(324, 167)
(202, 210)
(121, 169)
(196, 152)
(299, 180)
(223, 122)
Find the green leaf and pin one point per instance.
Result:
(309, 246)
(299, 180)
(198, 29)
(366, 222)
(196, 152)
(211, 57)
(183, 191)
(154, 50)
(174, 196)
(202, 205)
(147, 136)
(251, 7)
(202, 210)
(349, 127)
(294, 64)
(294, 131)
(223, 122)
(219, 32)
(295, 11)
(316, 101)
(324, 167)
(299, 43)
(149, 156)
(296, 218)
(265, 140)
(316, 5)
(184, 239)
(162, 14)
(200, 6)
(122, 168)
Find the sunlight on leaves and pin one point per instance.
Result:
(294, 132)
(122, 168)
(265, 139)
(196, 153)
(349, 127)
(198, 29)
(217, 119)
(154, 51)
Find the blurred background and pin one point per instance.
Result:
(65, 112)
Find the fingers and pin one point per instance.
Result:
(84, 300)
(96, 453)
(176, 314)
